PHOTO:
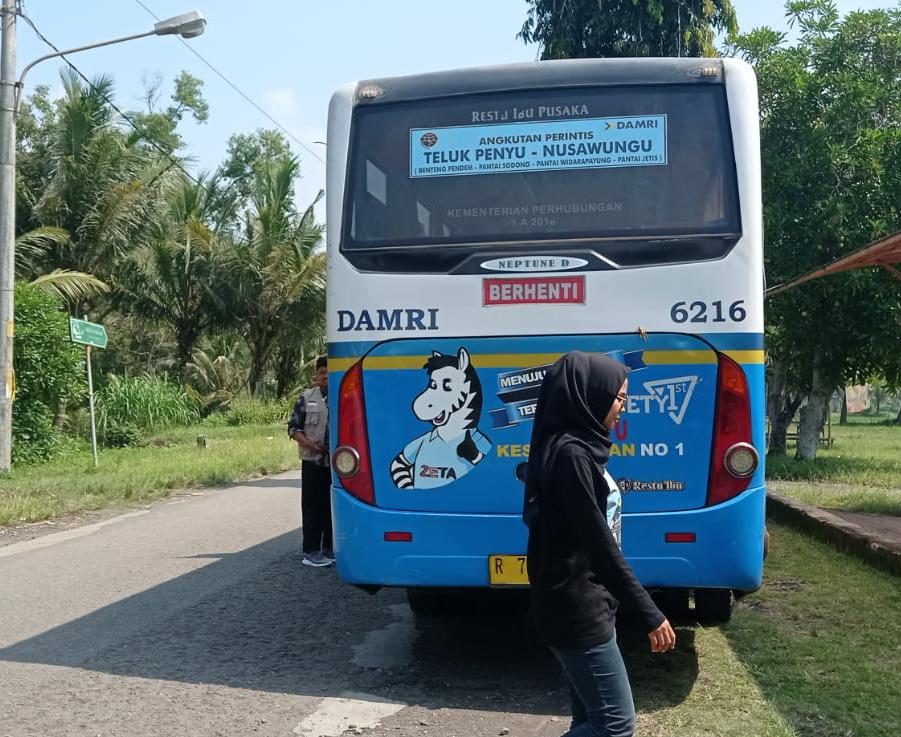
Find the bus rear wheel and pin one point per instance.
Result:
(713, 605)
(674, 604)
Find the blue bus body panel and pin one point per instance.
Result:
(453, 549)
(460, 512)
(661, 450)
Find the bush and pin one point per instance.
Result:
(144, 403)
(123, 435)
(248, 411)
(49, 373)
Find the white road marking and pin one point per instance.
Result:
(58, 537)
(391, 646)
(335, 715)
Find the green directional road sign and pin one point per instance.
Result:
(87, 333)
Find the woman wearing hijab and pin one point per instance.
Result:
(578, 574)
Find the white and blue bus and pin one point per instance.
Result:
(483, 222)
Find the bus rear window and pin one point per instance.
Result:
(542, 165)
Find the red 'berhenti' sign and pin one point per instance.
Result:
(538, 290)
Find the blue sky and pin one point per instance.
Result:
(289, 55)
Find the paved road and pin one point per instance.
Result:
(195, 617)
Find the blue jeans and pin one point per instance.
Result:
(602, 697)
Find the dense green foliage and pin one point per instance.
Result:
(831, 148)
(621, 28)
(49, 372)
(210, 286)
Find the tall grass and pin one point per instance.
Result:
(146, 402)
(248, 411)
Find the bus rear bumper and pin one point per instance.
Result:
(451, 550)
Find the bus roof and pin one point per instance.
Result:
(535, 75)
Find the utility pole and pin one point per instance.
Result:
(7, 223)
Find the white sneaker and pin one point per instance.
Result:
(329, 554)
(316, 560)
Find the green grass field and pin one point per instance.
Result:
(172, 460)
(861, 472)
(815, 653)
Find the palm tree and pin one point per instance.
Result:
(277, 275)
(212, 382)
(104, 187)
(71, 287)
(171, 280)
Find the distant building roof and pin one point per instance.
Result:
(885, 253)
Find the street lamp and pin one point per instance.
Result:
(186, 25)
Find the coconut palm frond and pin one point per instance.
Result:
(40, 240)
(70, 286)
(32, 248)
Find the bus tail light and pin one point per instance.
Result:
(351, 458)
(734, 458)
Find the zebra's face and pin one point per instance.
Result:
(445, 395)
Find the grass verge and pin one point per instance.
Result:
(822, 639)
(861, 472)
(171, 461)
(815, 653)
(843, 496)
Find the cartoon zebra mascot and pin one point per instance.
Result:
(454, 445)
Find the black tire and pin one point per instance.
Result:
(713, 605)
(674, 604)
(425, 602)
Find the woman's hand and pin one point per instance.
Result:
(663, 638)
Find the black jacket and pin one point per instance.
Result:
(578, 574)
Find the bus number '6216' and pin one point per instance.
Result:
(704, 312)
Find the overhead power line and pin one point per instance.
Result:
(243, 94)
(128, 119)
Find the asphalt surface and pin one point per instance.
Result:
(195, 617)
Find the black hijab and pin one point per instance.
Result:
(576, 395)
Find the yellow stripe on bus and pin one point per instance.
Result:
(517, 360)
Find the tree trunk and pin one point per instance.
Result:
(843, 417)
(779, 426)
(185, 341)
(781, 408)
(260, 352)
(813, 415)
(59, 419)
(286, 370)
(255, 377)
(898, 418)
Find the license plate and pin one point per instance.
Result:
(507, 570)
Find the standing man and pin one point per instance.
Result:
(309, 428)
